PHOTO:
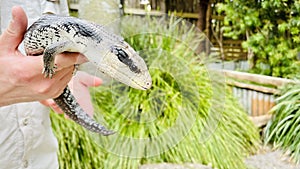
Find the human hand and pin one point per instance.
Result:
(21, 77)
(79, 87)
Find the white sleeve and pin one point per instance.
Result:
(26, 138)
(34, 9)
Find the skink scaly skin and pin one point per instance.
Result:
(52, 34)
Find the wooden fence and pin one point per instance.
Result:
(229, 49)
(256, 93)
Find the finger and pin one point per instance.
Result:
(83, 97)
(67, 59)
(63, 77)
(79, 87)
(50, 103)
(63, 61)
(52, 88)
(13, 35)
(88, 80)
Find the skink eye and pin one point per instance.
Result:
(122, 55)
(124, 58)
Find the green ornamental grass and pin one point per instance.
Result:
(189, 115)
(284, 128)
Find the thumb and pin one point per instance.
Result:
(13, 35)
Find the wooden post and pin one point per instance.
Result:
(167, 5)
(201, 23)
(207, 27)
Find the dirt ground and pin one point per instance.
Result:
(266, 158)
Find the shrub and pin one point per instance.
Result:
(284, 128)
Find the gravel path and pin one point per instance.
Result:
(174, 166)
(265, 159)
(268, 159)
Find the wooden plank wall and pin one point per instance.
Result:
(256, 93)
(256, 103)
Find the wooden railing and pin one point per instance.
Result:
(229, 49)
(256, 93)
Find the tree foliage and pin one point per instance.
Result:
(272, 30)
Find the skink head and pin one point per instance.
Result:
(126, 66)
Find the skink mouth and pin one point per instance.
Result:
(148, 85)
(144, 88)
(141, 86)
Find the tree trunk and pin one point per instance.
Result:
(201, 23)
(250, 55)
(208, 27)
(167, 5)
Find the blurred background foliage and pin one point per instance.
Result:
(272, 31)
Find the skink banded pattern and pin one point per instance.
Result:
(52, 34)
